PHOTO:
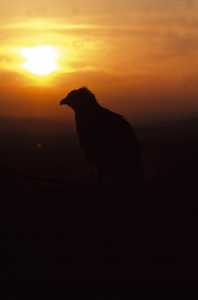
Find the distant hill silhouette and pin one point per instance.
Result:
(54, 228)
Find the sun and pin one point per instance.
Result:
(40, 60)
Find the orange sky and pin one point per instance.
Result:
(139, 57)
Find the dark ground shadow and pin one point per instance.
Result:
(87, 233)
(59, 229)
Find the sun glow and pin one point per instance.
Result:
(40, 60)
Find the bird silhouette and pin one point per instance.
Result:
(107, 139)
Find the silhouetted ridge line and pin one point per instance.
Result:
(10, 173)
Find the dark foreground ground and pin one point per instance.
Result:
(81, 232)
(57, 228)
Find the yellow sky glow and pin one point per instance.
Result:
(137, 56)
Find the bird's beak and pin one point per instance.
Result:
(63, 101)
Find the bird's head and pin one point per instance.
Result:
(76, 99)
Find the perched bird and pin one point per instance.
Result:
(107, 139)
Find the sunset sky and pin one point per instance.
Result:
(140, 57)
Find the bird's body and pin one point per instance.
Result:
(109, 143)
